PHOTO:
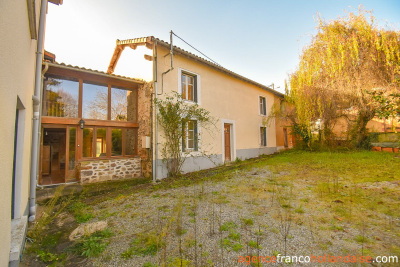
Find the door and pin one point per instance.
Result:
(227, 141)
(53, 156)
(46, 160)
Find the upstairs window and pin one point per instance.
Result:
(263, 107)
(189, 86)
(263, 136)
(60, 98)
(190, 140)
(95, 101)
(123, 105)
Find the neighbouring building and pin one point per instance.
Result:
(239, 104)
(21, 39)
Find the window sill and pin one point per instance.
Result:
(191, 154)
(190, 102)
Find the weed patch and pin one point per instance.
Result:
(93, 245)
(143, 245)
(82, 212)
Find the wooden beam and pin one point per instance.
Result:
(88, 122)
(66, 154)
(123, 141)
(149, 45)
(108, 142)
(148, 57)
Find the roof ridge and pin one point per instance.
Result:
(151, 39)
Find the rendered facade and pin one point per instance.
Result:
(240, 106)
(22, 28)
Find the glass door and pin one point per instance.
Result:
(72, 170)
(53, 156)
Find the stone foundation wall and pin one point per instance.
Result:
(92, 171)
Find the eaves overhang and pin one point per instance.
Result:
(150, 40)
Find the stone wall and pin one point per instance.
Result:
(144, 120)
(92, 171)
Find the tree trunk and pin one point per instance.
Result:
(360, 132)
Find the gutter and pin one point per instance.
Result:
(36, 98)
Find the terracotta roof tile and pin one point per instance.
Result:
(63, 65)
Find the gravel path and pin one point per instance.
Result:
(248, 210)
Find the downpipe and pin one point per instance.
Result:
(36, 114)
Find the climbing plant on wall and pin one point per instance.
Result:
(174, 114)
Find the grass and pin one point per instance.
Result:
(247, 221)
(253, 244)
(227, 226)
(81, 212)
(142, 245)
(94, 244)
(328, 194)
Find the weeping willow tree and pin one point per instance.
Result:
(347, 59)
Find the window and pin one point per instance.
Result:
(72, 143)
(87, 148)
(189, 85)
(109, 141)
(263, 108)
(190, 140)
(263, 136)
(95, 101)
(60, 98)
(72, 96)
(101, 142)
(116, 142)
(123, 105)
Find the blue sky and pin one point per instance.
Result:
(261, 40)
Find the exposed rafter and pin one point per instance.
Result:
(131, 43)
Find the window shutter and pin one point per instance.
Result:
(196, 139)
(183, 136)
(195, 89)
(265, 136)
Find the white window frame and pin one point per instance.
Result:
(259, 105)
(191, 151)
(198, 84)
(186, 137)
(261, 138)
